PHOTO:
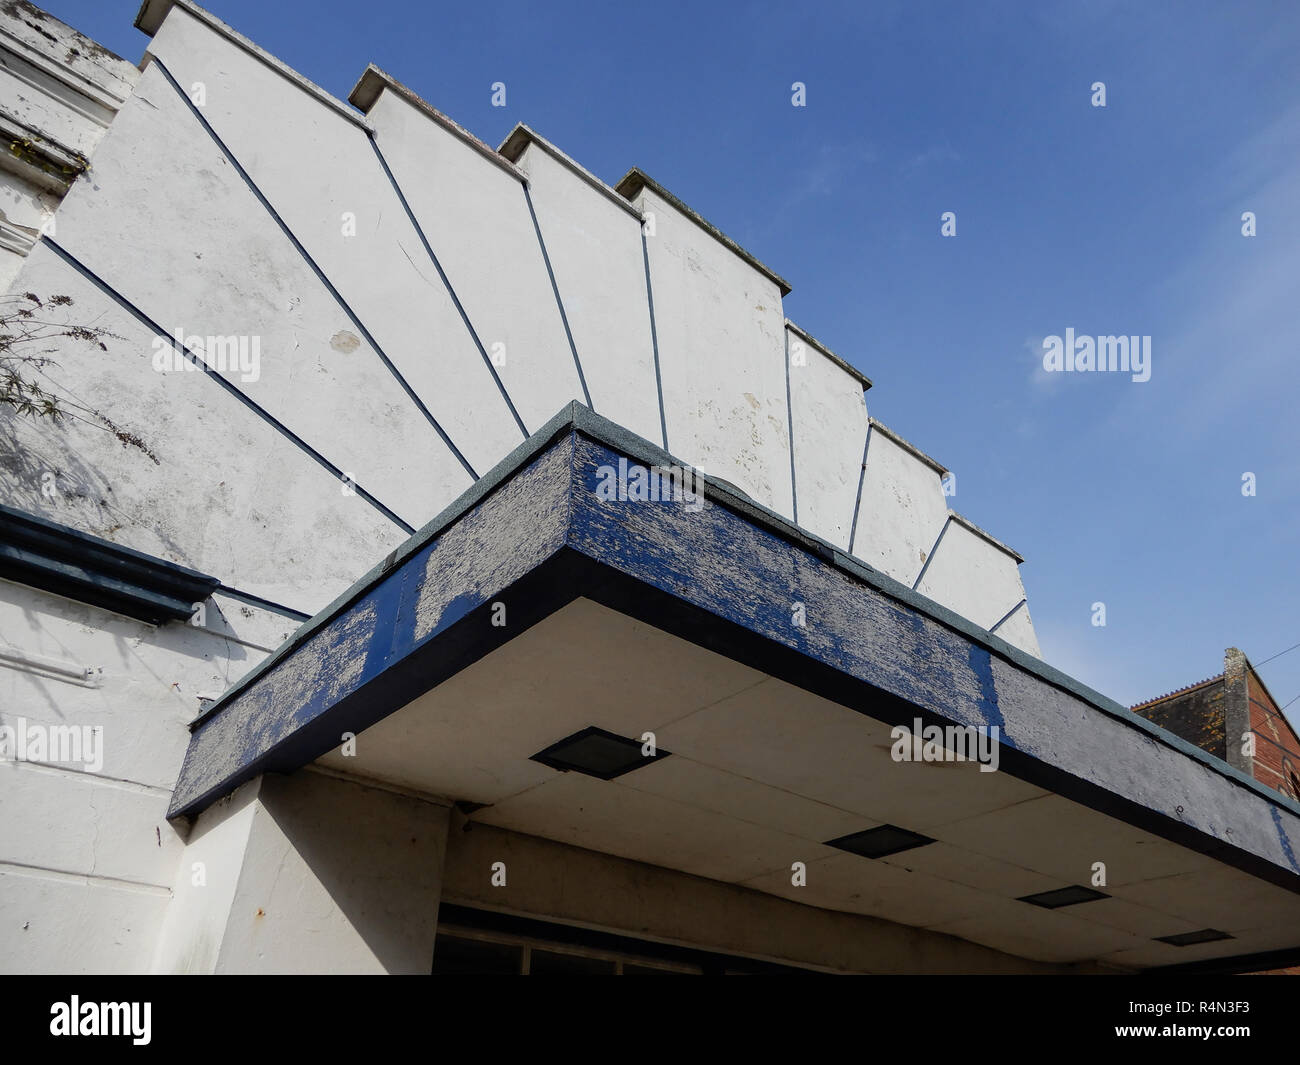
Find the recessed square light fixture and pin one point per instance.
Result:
(880, 842)
(1189, 939)
(1066, 896)
(597, 753)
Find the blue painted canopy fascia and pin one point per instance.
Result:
(534, 534)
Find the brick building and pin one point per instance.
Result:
(1237, 703)
(1234, 716)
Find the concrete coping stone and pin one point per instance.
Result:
(153, 12)
(910, 448)
(631, 183)
(851, 370)
(374, 81)
(522, 136)
(969, 525)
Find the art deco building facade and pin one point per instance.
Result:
(390, 656)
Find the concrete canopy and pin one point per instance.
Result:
(677, 619)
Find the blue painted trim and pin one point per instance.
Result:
(654, 338)
(446, 283)
(789, 420)
(265, 604)
(220, 379)
(558, 301)
(1007, 616)
(320, 274)
(57, 558)
(930, 557)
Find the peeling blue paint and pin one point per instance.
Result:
(456, 609)
(1283, 838)
(982, 664)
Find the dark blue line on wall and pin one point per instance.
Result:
(930, 557)
(862, 477)
(265, 604)
(789, 418)
(558, 302)
(1007, 616)
(320, 274)
(654, 337)
(213, 375)
(446, 283)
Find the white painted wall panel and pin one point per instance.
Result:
(595, 252)
(68, 925)
(83, 823)
(977, 580)
(230, 496)
(307, 898)
(313, 166)
(1018, 630)
(901, 511)
(207, 877)
(206, 259)
(143, 682)
(476, 219)
(829, 419)
(722, 357)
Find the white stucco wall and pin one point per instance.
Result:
(901, 511)
(288, 892)
(87, 857)
(721, 356)
(230, 496)
(319, 172)
(594, 247)
(59, 91)
(979, 580)
(476, 219)
(829, 420)
(317, 377)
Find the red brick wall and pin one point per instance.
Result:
(1277, 757)
(1277, 751)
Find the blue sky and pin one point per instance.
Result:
(1117, 220)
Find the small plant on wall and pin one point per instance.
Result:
(28, 343)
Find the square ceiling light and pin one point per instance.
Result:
(880, 842)
(1189, 939)
(597, 753)
(1066, 896)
